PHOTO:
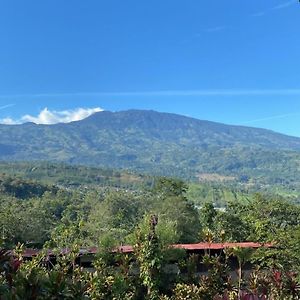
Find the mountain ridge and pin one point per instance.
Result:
(181, 121)
(95, 115)
(157, 143)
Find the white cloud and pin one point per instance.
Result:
(165, 93)
(8, 121)
(277, 7)
(272, 118)
(284, 5)
(47, 116)
(7, 106)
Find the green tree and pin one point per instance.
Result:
(208, 215)
(149, 256)
(117, 216)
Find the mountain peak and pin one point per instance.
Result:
(154, 142)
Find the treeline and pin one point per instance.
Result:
(146, 274)
(107, 211)
(239, 187)
(30, 176)
(70, 176)
(23, 189)
(29, 212)
(106, 217)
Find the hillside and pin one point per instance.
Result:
(73, 177)
(37, 177)
(160, 144)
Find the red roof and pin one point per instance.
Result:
(189, 247)
(220, 246)
(124, 249)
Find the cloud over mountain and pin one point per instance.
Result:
(47, 116)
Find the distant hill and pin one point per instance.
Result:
(23, 189)
(72, 177)
(160, 144)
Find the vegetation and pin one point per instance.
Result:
(150, 217)
(82, 178)
(162, 144)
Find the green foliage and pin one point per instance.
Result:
(64, 175)
(70, 219)
(170, 187)
(26, 222)
(157, 143)
(113, 276)
(208, 215)
(184, 216)
(219, 194)
(149, 256)
(23, 189)
(173, 206)
(107, 282)
(117, 215)
(188, 292)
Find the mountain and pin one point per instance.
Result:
(161, 144)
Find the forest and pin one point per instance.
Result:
(162, 144)
(39, 215)
(149, 150)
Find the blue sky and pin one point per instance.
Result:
(229, 61)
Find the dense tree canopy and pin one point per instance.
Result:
(64, 218)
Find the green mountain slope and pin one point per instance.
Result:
(161, 144)
(32, 179)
